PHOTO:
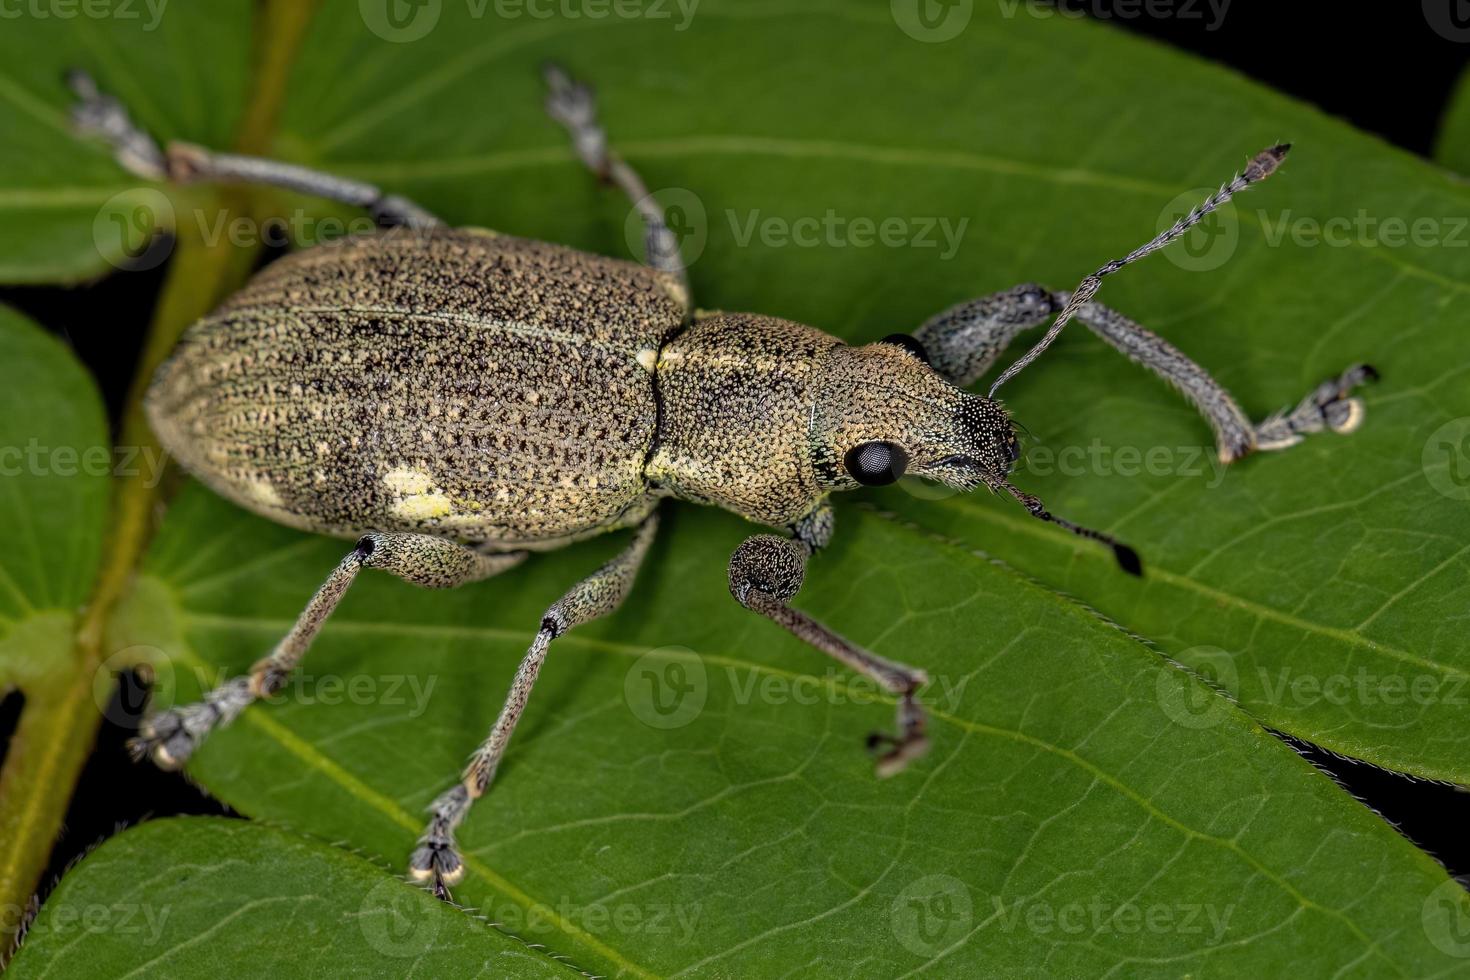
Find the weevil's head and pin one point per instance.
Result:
(882, 412)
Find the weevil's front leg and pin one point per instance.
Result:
(766, 571)
(102, 115)
(436, 861)
(965, 340)
(171, 736)
(571, 103)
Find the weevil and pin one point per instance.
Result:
(454, 400)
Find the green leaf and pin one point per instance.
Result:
(1087, 806)
(211, 897)
(54, 469)
(1332, 575)
(1453, 144)
(69, 213)
(54, 475)
(688, 791)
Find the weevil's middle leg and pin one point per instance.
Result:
(965, 340)
(766, 572)
(102, 115)
(170, 737)
(436, 860)
(571, 103)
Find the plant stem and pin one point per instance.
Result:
(59, 721)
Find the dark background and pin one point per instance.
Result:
(1385, 69)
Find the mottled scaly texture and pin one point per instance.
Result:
(485, 388)
(738, 391)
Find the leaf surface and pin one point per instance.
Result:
(208, 897)
(1087, 807)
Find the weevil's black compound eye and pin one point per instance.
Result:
(876, 464)
(908, 343)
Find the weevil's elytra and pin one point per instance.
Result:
(454, 400)
(489, 389)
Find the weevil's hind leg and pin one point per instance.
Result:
(171, 736)
(99, 114)
(571, 103)
(766, 571)
(1329, 406)
(965, 340)
(436, 861)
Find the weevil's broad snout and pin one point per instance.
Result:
(989, 446)
(884, 413)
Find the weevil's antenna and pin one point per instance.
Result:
(1262, 166)
(1128, 559)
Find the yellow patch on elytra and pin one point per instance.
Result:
(423, 506)
(648, 359)
(406, 481)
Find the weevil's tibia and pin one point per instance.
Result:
(436, 861)
(102, 115)
(571, 103)
(964, 341)
(766, 571)
(171, 737)
(98, 114)
(1262, 166)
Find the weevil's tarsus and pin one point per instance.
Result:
(170, 737)
(572, 104)
(436, 861)
(766, 571)
(1263, 165)
(1127, 558)
(102, 115)
(99, 114)
(1328, 406)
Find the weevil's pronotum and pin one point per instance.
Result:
(454, 400)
